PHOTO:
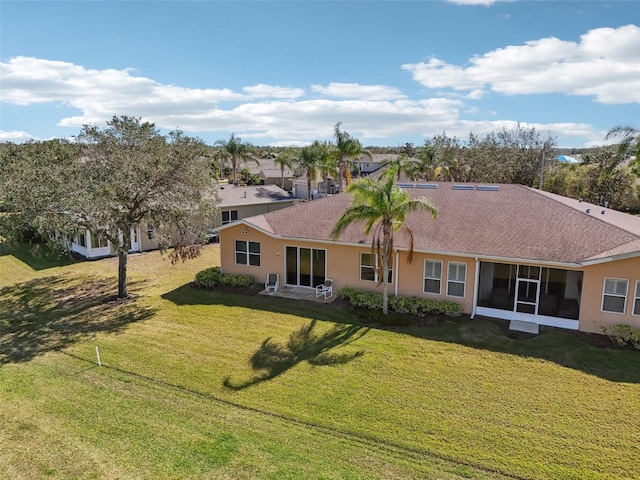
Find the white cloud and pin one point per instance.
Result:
(15, 136)
(362, 92)
(271, 91)
(100, 94)
(277, 115)
(604, 64)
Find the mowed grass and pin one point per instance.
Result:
(206, 384)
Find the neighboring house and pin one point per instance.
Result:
(235, 203)
(367, 165)
(502, 251)
(238, 202)
(318, 187)
(92, 246)
(270, 173)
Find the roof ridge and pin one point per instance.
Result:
(557, 198)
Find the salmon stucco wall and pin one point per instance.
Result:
(343, 265)
(591, 315)
(411, 278)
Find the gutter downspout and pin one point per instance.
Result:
(395, 289)
(475, 289)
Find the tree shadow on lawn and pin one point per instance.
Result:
(38, 256)
(189, 294)
(567, 348)
(273, 359)
(51, 313)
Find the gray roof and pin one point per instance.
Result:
(232, 196)
(510, 222)
(267, 168)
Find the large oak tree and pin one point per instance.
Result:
(108, 181)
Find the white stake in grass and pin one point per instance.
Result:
(98, 356)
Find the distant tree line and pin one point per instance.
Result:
(517, 154)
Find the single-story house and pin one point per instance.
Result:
(238, 202)
(368, 165)
(92, 246)
(235, 202)
(270, 172)
(503, 251)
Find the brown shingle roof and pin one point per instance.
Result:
(515, 222)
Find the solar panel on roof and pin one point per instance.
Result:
(488, 188)
(462, 187)
(427, 185)
(405, 185)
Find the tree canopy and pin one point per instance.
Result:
(108, 181)
(234, 150)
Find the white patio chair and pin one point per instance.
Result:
(272, 283)
(325, 289)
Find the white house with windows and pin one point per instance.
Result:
(502, 251)
(91, 245)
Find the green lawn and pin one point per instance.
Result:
(202, 384)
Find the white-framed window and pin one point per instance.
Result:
(432, 277)
(636, 299)
(150, 231)
(229, 216)
(98, 241)
(368, 269)
(82, 239)
(614, 295)
(247, 253)
(456, 279)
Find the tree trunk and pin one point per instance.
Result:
(122, 273)
(386, 260)
(340, 173)
(308, 186)
(385, 296)
(234, 165)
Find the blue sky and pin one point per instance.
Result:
(284, 73)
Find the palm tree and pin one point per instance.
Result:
(234, 150)
(285, 159)
(328, 163)
(630, 145)
(349, 150)
(427, 167)
(402, 164)
(383, 207)
(309, 161)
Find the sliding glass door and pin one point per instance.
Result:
(305, 267)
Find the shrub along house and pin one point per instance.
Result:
(503, 251)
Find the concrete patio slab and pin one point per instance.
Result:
(299, 293)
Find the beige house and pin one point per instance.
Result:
(238, 202)
(270, 172)
(502, 251)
